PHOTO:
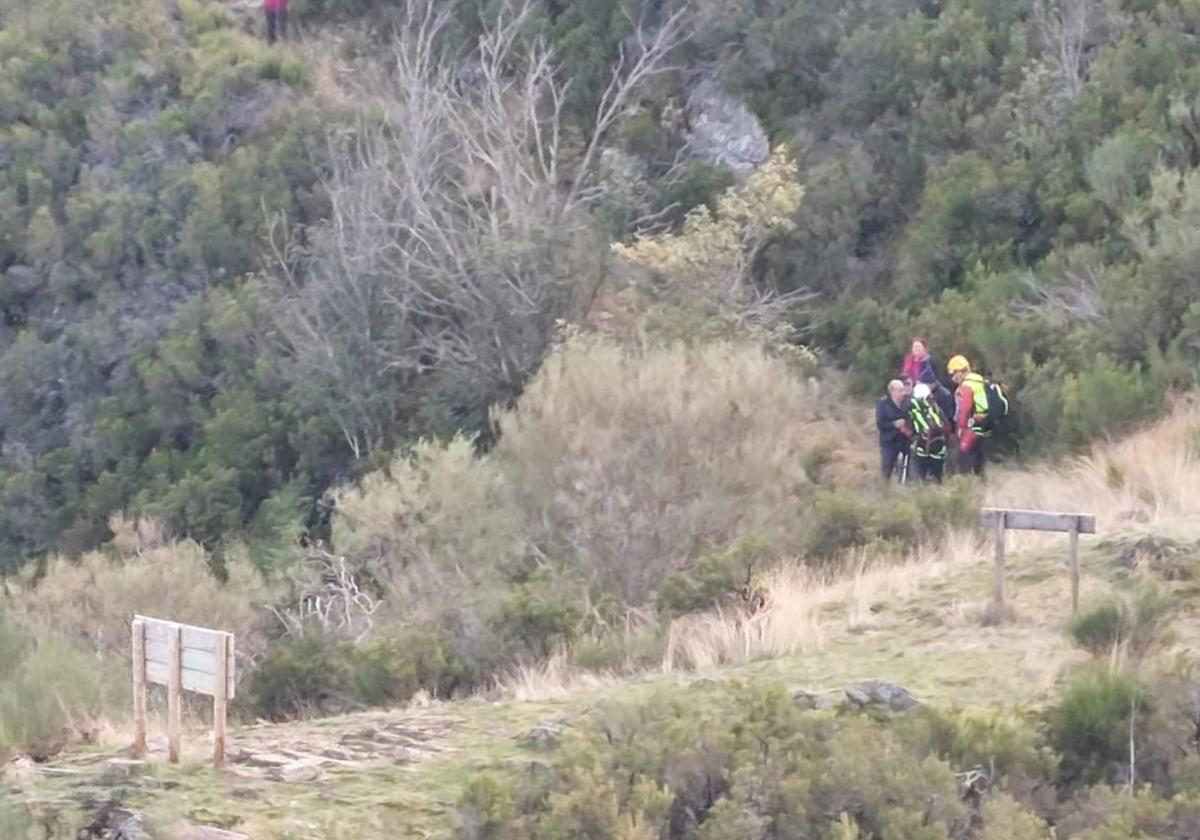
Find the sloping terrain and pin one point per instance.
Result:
(917, 624)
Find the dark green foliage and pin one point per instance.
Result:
(320, 674)
(1132, 623)
(393, 670)
(841, 519)
(715, 577)
(1090, 725)
(306, 676)
(539, 614)
(958, 184)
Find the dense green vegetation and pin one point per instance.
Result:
(429, 347)
(1012, 179)
(739, 761)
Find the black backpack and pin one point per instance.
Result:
(998, 403)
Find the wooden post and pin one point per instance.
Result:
(998, 585)
(1073, 559)
(174, 693)
(139, 687)
(221, 697)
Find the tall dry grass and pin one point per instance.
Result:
(1149, 479)
(806, 606)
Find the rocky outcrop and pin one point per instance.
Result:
(720, 129)
(874, 696)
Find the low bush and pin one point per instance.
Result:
(318, 674)
(300, 677)
(845, 519)
(1132, 624)
(91, 601)
(1090, 727)
(51, 692)
(716, 577)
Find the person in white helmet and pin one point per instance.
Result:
(930, 428)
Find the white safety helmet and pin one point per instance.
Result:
(921, 391)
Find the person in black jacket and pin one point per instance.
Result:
(891, 419)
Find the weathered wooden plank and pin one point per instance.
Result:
(193, 660)
(1073, 561)
(1036, 520)
(174, 698)
(194, 638)
(139, 687)
(198, 682)
(220, 701)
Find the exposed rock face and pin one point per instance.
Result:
(722, 130)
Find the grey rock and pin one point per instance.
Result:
(880, 695)
(806, 699)
(114, 771)
(545, 735)
(305, 770)
(204, 832)
(722, 130)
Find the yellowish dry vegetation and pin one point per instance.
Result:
(916, 618)
(93, 599)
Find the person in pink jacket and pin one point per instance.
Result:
(276, 12)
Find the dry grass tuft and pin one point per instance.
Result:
(806, 607)
(549, 679)
(1150, 478)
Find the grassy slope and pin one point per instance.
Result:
(914, 623)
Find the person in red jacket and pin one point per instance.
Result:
(970, 412)
(276, 12)
(918, 366)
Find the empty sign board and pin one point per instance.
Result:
(198, 652)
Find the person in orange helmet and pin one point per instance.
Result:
(970, 413)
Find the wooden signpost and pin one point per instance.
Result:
(183, 658)
(1000, 520)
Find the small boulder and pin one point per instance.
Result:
(115, 771)
(806, 699)
(304, 770)
(879, 695)
(547, 734)
(205, 832)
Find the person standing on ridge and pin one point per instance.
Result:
(930, 428)
(276, 12)
(970, 412)
(891, 420)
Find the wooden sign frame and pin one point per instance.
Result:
(183, 658)
(999, 520)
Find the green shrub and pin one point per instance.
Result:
(302, 677)
(714, 578)
(1090, 725)
(50, 693)
(1132, 624)
(1105, 398)
(839, 521)
(393, 670)
(539, 615)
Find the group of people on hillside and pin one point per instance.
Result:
(920, 418)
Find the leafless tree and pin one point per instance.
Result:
(1070, 31)
(458, 237)
(334, 601)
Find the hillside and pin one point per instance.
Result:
(912, 622)
(500, 374)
